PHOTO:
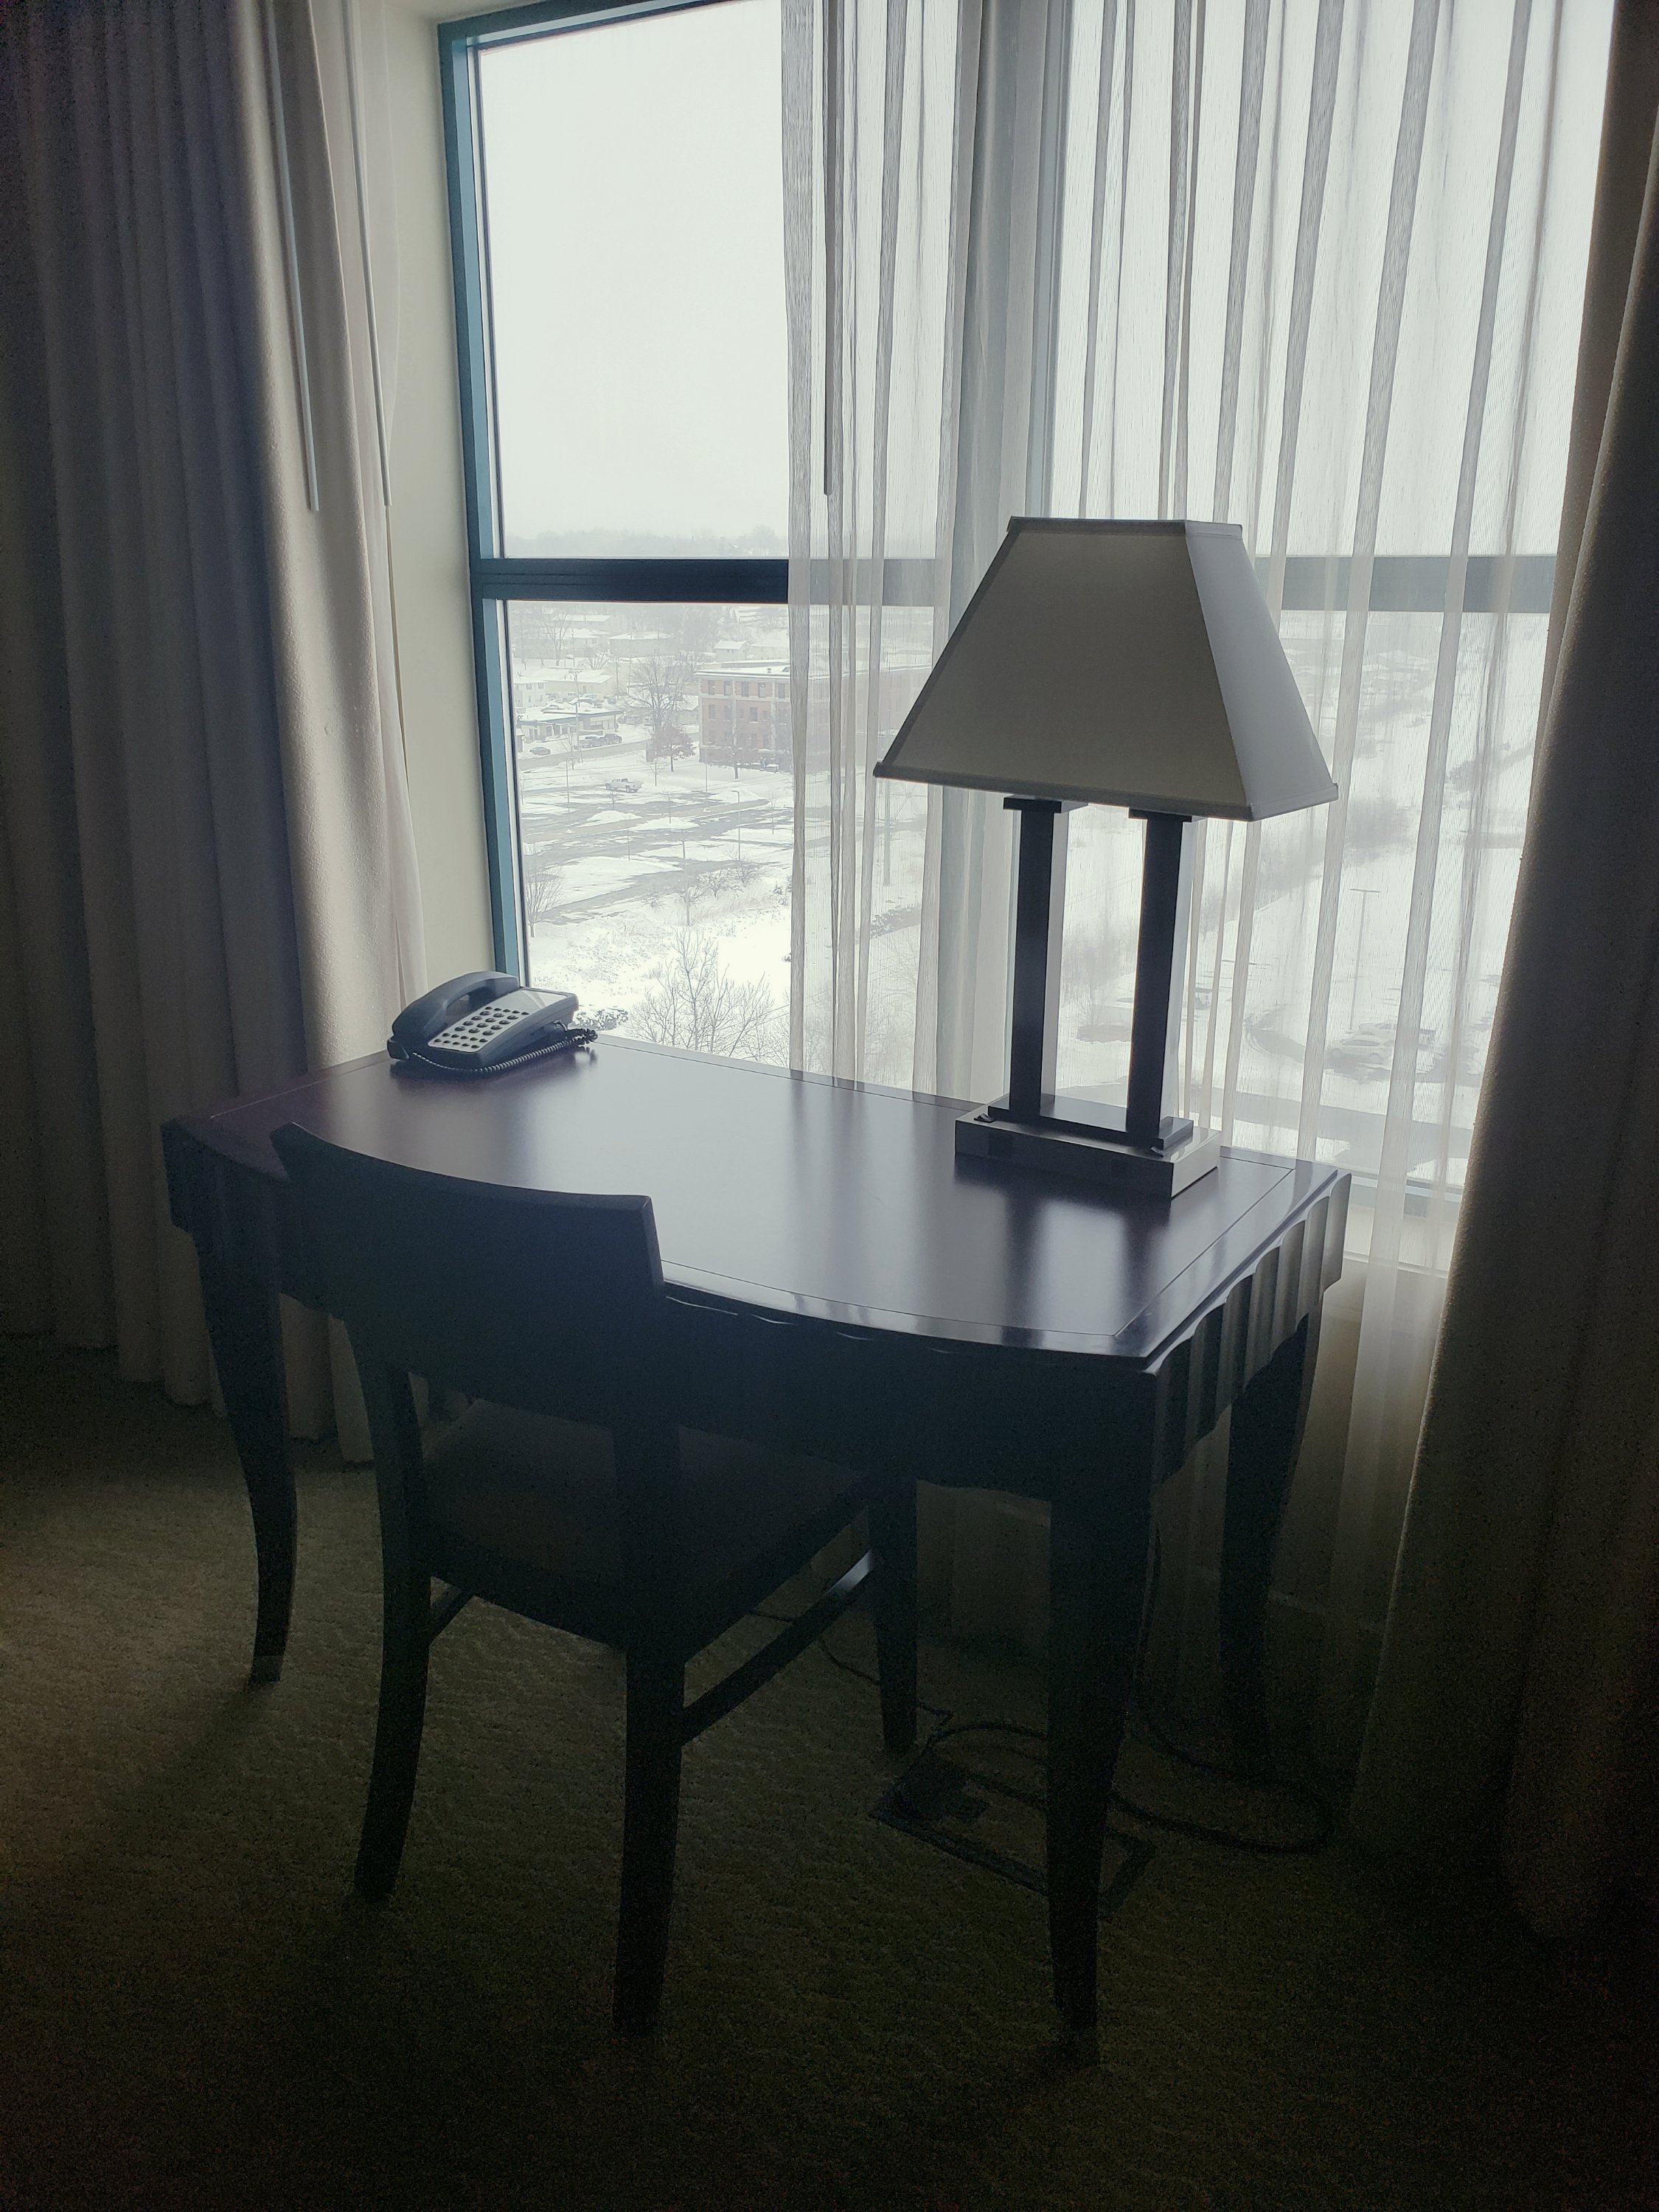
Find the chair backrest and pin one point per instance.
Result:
(547, 1300)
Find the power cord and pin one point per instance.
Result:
(947, 1728)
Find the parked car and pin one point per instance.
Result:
(622, 783)
(1369, 1052)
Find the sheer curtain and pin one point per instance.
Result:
(1313, 268)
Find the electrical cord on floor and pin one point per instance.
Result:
(946, 1727)
(1194, 1831)
(1308, 1801)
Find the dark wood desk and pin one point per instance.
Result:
(843, 1284)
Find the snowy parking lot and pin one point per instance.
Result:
(669, 901)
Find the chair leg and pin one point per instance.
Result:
(893, 1540)
(405, 1643)
(656, 1706)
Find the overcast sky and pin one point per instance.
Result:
(656, 405)
(637, 231)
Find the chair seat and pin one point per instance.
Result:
(542, 1492)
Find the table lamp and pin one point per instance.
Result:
(1121, 664)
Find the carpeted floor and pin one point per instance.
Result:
(194, 2013)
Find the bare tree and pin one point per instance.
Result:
(541, 628)
(658, 689)
(557, 630)
(543, 887)
(697, 885)
(693, 628)
(692, 1002)
(724, 877)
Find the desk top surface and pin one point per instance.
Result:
(826, 1200)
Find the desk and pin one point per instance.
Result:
(843, 1283)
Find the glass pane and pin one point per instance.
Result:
(656, 829)
(634, 221)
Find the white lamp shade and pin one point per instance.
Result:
(1130, 663)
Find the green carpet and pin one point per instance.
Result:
(194, 2013)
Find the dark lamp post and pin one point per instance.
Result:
(1121, 663)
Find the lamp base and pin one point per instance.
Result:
(1093, 1117)
(987, 1133)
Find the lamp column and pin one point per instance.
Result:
(1162, 883)
(1033, 890)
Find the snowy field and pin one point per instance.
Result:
(668, 903)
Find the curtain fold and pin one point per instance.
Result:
(208, 871)
(1521, 1658)
(1313, 268)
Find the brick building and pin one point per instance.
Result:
(742, 715)
(743, 711)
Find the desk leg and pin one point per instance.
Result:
(1268, 1419)
(246, 1334)
(893, 1540)
(1097, 1581)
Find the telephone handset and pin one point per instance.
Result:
(483, 1023)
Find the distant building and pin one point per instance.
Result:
(743, 711)
(742, 715)
(538, 684)
(566, 725)
(633, 651)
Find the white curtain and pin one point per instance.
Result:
(1313, 268)
(207, 876)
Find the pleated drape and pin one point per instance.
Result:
(1520, 1677)
(207, 871)
(1312, 267)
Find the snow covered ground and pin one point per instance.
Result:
(621, 884)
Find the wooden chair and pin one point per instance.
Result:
(548, 1311)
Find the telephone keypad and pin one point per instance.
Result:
(474, 1030)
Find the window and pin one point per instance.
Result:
(617, 229)
(625, 451)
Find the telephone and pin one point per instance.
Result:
(483, 1025)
